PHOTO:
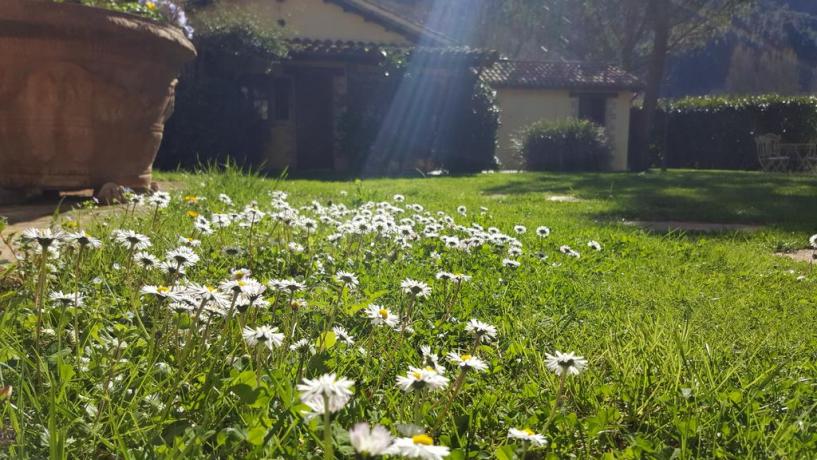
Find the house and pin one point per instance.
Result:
(530, 91)
(304, 104)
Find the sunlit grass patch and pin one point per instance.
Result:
(256, 318)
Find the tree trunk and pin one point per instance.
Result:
(659, 19)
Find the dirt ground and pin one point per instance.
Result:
(40, 212)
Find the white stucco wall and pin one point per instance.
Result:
(320, 20)
(521, 107)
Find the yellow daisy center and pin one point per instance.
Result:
(423, 439)
(192, 214)
(383, 313)
(150, 5)
(163, 289)
(528, 431)
(465, 357)
(417, 375)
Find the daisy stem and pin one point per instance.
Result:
(328, 448)
(558, 403)
(249, 244)
(77, 275)
(455, 389)
(560, 392)
(38, 299)
(451, 300)
(475, 344)
(258, 365)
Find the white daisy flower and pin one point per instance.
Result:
(592, 244)
(83, 240)
(158, 199)
(203, 225)
(347, 279)
(342, 334)
(415, 288)
(145, 260)
(813, 241)
(520, 229)
(381, 316)
(224, 198)
(221, 220)
(510, 263)
(337, 391)
(131, 239)
(399, 198)
(369, 441)
(565, 363)
(418, 446)
(162, 292)
(303, 346)
(182, 256)
(526, 434)
(190, 242)
(66, 299)
(422, 378)
(467, 361)
(543, 231)
(484, 331)
(42, 236)
(462, 210)
(568, 251)
(264, 335)
(290, 285)
(242, 285)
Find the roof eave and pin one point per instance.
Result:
(569, 87)
(393, 22)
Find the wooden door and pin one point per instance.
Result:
(313, 119)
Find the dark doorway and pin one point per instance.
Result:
(313, 119)
(593, 107)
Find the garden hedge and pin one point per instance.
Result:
(568, 144)
(717, 132)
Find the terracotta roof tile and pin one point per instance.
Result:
(307, 47)
(578, 75)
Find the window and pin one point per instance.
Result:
(593, 107)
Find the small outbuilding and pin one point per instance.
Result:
(528, 91)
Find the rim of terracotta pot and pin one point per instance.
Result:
(70, 21)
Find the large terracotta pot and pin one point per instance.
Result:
(84, 94)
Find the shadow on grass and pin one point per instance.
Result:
(788, 202)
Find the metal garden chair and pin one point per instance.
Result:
(769, 154)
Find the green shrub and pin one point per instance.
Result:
(717, 132)
(567, 144)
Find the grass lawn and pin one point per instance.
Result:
(697, 345)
